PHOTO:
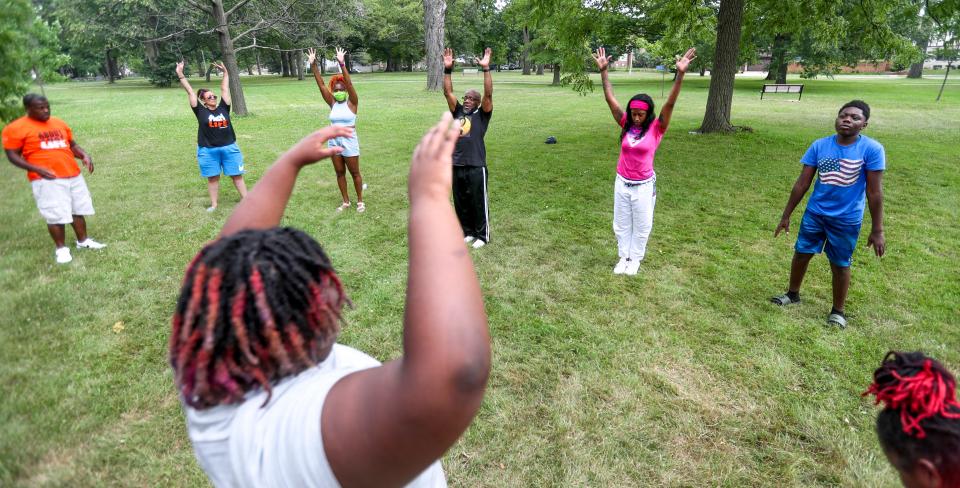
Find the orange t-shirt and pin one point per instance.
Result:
(44, 144)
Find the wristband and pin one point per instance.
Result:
(486, 70)
(447, 71)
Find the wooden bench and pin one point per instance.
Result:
(777, 88)
(470, 71)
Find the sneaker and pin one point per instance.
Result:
(633, 266)
(211, 209)
(621, 266)
(343, 206)
(90, 244)
(477, 244)
(360, 207)
(469, 239)
(63, 255)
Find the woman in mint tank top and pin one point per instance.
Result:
(342, 99)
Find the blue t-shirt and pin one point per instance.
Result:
(841, 187)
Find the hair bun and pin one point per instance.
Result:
(918, 387)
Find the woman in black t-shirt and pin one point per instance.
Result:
(217, 149)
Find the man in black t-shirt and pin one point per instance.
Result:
(470, 153)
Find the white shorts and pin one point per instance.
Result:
(60, 199)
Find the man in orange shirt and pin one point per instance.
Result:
(44, 146)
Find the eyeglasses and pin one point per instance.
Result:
(211, 97)
(465, 98)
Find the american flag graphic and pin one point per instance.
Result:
(839, 172)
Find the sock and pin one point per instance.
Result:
(838, 312)
(794, 296)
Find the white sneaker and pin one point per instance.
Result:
(211, 209)
(63, 255)
(477, 244)
(632, 267)
(469, 239)
(621, 266)
(90, 244)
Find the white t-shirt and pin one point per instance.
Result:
(280, 444)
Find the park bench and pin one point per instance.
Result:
(778, 88)
(470, 71)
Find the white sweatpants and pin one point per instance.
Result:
(633, 216)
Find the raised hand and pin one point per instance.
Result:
(783, 226)
(485, 62)
(219, 66)
(179, 69)
(311, 55)
(430, 171)
(448, 58)
(601, 58)
(313, 148)
(684, 62)
(340, 56)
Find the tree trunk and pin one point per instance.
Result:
(916, 69)
(556, 74)
(151, 50)
(720, 98)
(239, 103)
(777, 71)
(630, 61)
(110, 66)
(209, 70)
(703, 70)
(259, 69)
(323, 64)
(299, 61)
(945, 75)
(434, 12)
(525, 54)
(540, 69)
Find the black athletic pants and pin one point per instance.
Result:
(470, 201)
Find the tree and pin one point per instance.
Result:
(15, 26)
(720, 97)
(434, 12)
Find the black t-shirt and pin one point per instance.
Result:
(470, 149)
(215, 129)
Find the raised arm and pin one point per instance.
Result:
(224, 84)
(351, 93)
(875, 201)
(603, 62)
(263, 207)
(448, 79)
(191, 95)
(486, 104)
(324, 91)
(800, 188)
(383, 426)
(682, 64)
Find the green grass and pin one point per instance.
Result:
(682, 376)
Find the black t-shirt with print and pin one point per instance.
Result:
(470, 149)
(215, 129)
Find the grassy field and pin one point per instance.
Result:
(681, 376)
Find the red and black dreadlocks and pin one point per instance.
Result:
(255, 307)
(921, 415)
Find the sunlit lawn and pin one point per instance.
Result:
(683, 375)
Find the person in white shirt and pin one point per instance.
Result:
(270, 398)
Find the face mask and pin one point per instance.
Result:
(339, 96)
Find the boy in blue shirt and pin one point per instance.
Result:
(847, 165)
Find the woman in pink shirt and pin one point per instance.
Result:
(635, 191)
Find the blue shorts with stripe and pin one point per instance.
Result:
(835, 238)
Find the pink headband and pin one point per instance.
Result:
(639, 104)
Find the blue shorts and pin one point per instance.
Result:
(837, 239)
(214, 160)
(350, 145)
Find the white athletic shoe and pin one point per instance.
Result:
(621, 266)
(90, 244)
(211, 209)
(63, 255)
(477, 244)
(469, 239)
(633, 266)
